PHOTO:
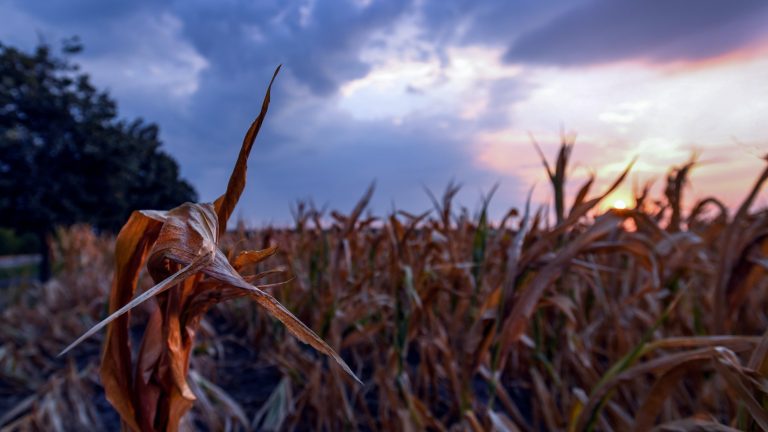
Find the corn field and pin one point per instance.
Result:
(650, 317)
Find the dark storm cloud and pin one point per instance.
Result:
(307, 148)
(661, 30)
(319, 42)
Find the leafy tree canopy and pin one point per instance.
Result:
(65, 157)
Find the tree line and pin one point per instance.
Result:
(66, 156)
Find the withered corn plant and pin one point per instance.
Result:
(180, 247)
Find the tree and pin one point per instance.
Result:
(66, 158)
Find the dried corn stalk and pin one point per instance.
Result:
(192, 274)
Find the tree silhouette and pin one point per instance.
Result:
(66, 158)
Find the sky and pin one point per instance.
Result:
(416, 93)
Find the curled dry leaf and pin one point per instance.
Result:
(192, 274)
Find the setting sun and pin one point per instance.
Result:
(619, 204)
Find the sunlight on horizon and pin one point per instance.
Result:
(660, 114)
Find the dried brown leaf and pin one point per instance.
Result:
(226, 203)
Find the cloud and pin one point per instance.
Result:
(659, 114)
(134, 51)
(153, 63)
(74, 12)
(658, 30)
(489, 22)
(319, 42)
(408, 92)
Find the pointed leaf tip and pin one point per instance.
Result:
(226, 203)
(171, 280)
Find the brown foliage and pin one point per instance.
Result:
(647, 318)
(180, 248)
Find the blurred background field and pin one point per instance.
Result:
(622, 320)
